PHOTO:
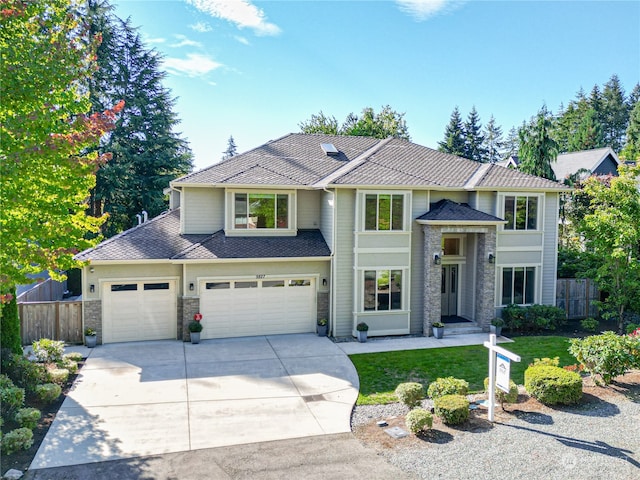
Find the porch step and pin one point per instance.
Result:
(461, 328)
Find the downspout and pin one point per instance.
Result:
(333, 266)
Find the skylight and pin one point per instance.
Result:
(329, 149)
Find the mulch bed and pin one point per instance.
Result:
(21, 459)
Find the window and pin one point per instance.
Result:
(261, 210)
(383, 212)
(382, 290)
(518, 285)
(521, 213)
(156, 286)
(127, 287)
(217, 285)
(451, 246)
(245, 285)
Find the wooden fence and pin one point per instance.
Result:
(47, 291)
(575, 297)
(55, 320)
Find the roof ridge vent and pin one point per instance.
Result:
(329, 149)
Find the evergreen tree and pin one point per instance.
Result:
(615, 114)
(631, 151)
(511, 144)
(566, 124)
(595, 102)
(537, 148)
(147, 152)
(231, 150)
(634, 97)
(474, 139)
(588, 134)
(454, 138)
(493, 141)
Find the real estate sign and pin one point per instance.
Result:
(503, 365)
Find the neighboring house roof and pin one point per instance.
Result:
(452, 212)
(512, 162)
(570, 163)
(298, 160)
(160, 239)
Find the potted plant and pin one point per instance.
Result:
(322, 327)
(496, 326)
(438, 329)
(90, 337)
(362, 329)
(195, 327)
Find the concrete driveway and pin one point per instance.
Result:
(150, 398)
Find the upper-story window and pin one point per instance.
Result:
(521, 212)
(261, 210)
(383, 212)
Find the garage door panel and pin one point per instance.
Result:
(271, 307)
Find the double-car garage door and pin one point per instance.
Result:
(238, 308)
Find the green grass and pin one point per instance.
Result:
(380, 373)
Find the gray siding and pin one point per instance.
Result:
(202, 210)
(550, 249)
(308, 208)
(608, 166)
(343, 288)
(326, 217)
(460, 197)
(420, 206)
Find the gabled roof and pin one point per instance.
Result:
(448, 211)
(160, 239)
(298, 160)
(569, 163)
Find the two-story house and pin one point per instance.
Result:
(350, 229)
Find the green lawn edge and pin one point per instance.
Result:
(380, 373)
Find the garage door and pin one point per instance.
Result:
(240, 308)
(138, 310)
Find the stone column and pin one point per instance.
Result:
(432, 277)
(485, 279)
(93, 318)
(190, 306)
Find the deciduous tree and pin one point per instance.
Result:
(386, 123)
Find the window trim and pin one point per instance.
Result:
(230, 222)
(362, 201)
(403, 286)
(536, 283)
(539, 214)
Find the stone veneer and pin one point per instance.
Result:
(190, 306)
(92, 316)
(485, 274)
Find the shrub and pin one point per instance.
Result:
(534, 318)
(11, 397)
(551, 385)
(18, 439)
(502, 396)
(410, 393)
(73, 356)
(48, 392)
(606, 355)
(48, 351)
(70, 365)
(632, 327)
(24, 373)
(549, 362)
(452, 409)
(590, 324)
(447, 386)
(418, 420)
(28, 417)
(59, 375)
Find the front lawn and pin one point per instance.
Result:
(380, 373)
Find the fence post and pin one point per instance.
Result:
(57, 324)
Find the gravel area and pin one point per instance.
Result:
(596, 440)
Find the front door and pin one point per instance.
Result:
(449, 289)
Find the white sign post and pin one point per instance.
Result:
(499, 375)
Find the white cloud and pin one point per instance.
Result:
(185, 42)
(422, 10)
(154, 40)
(241, 12)
(201, 27)
(195, 65)
(242, 40)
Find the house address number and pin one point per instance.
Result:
(261, 275)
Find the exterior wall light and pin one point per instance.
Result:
(191, 287)
(436, 259)
(492, 258)
(91, 269)
(92, 288)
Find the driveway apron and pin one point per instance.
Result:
(149, 398)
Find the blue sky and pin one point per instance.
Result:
(256, 69)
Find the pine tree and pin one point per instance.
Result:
(634, 97)
(474, 139)
(147, 152)
(511, 144)
(588, 134)
(231, 150)
(615, 114)
(631, 151)
(595, 102)
(493, 141)
(537, 148)
(454, 138)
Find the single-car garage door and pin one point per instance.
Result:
(138, 310)
(239, 308)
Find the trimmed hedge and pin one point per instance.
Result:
(447, 386)
(452, 409)
(11, 397)
(552, 385)
(502, 396)
(410, 393)
(18, 439)
(534, 318)
(48, 392)
(418, 420)
(28, 417)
